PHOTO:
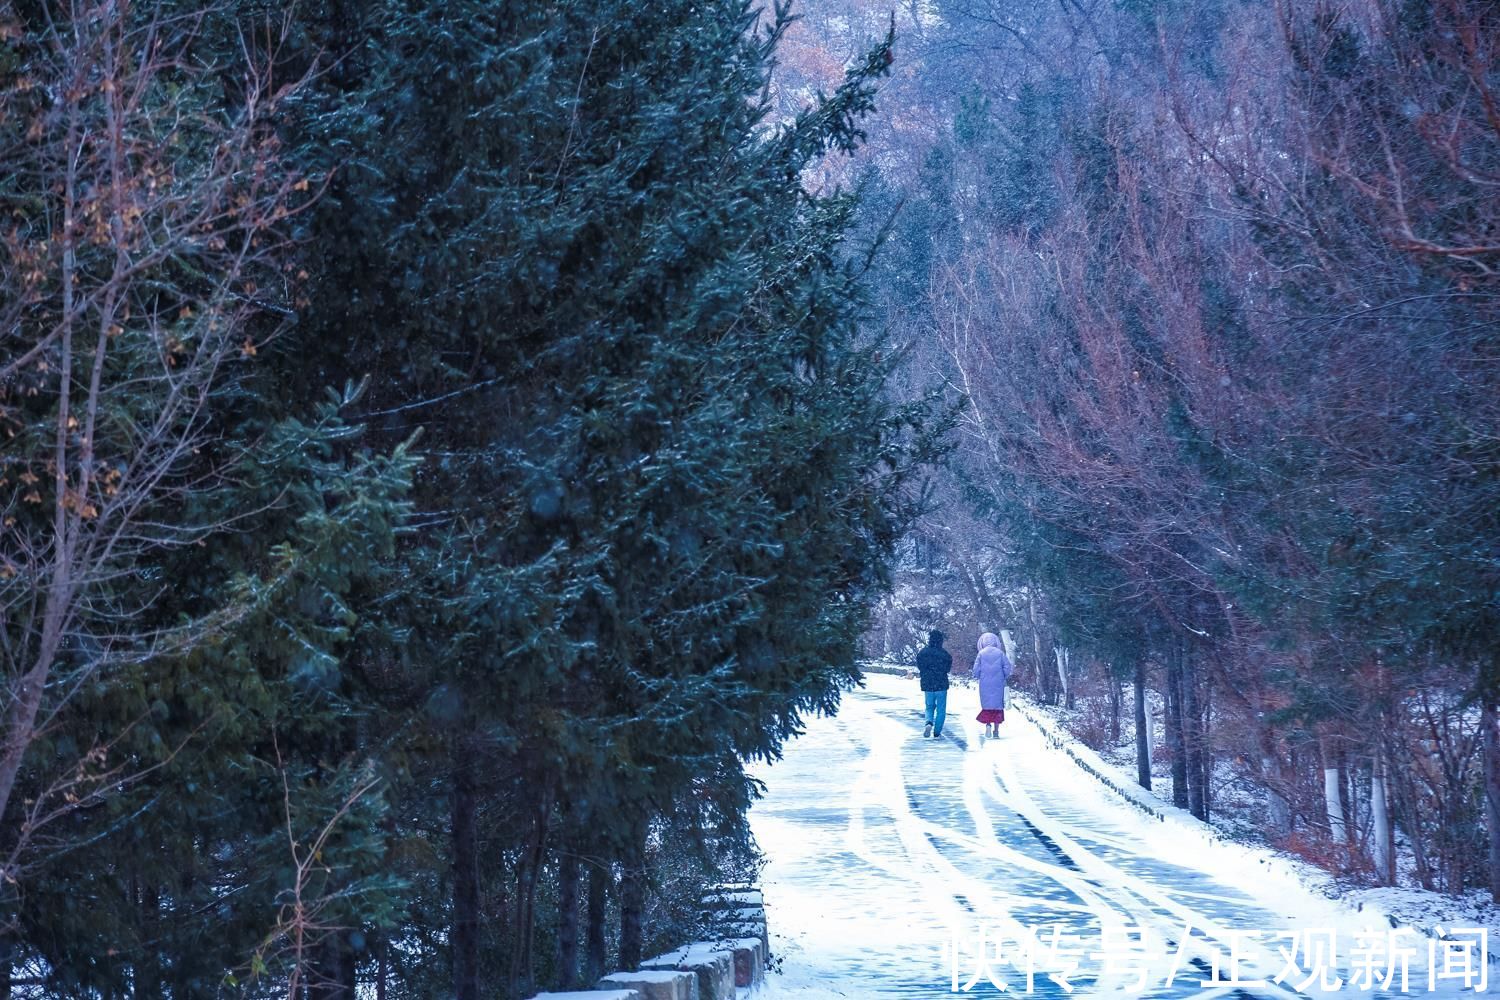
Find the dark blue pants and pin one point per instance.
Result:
(936, 706)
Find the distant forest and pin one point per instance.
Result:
(1217, 288)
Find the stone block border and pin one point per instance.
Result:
(734, 959)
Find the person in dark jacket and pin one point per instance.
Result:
(933, 663)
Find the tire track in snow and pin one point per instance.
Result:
(954, 833)
(882, 784)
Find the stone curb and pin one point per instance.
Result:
(699, 970)
(714, 967)
(654, 984)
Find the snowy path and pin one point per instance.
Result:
(889, 853)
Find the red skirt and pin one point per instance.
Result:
(991, 715)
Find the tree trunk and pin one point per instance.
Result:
(972, 578)
(1192, 733)
(567, 921)
(1206, 746)
(1046, 680)
(1333, 801)
(1008, 642)
(1406, 811)
(348, 966)
(1064, 662)
(594, 945)
(529, 873)
(1176, 739)
(25, 701)
(1348, 799)
(333, 972)
(1273, 777)
(633, 899)
(7, 964)
(1142, 728)
(1150, 714)
(180, 974)
(1380, 824)
(465, 929)
(1488, 719)
(1115, 707)
(150, 988)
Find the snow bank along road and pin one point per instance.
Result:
(906, 867)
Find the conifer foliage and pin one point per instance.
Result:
(480, 641)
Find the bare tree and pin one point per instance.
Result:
(142, 252)
(304, 924)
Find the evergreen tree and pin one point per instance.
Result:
(565, 252)
(177, 588)
(663, 478)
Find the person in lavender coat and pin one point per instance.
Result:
(991, 669)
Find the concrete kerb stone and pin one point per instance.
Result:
(702, 970)
(724, 887)
(720, 899)
(745, 913)
(749, 928)
(749, 960)
(738, 913)
(712, 964)
(654, 984)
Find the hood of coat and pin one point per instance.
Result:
(989, 641)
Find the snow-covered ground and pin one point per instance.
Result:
(1239, 812)
(895, 862)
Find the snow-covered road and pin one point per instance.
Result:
(896, 862)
